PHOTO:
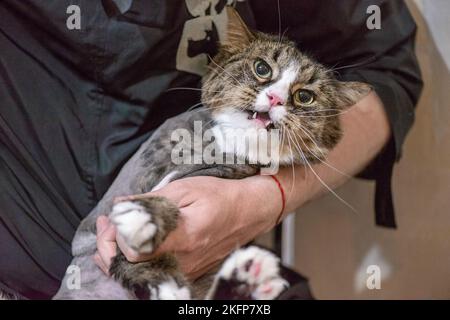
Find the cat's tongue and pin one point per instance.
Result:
(263, 117)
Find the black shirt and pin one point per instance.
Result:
(75, 104)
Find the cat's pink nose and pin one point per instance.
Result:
(274, 99)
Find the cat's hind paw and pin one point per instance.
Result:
(169, 290)
(270, 289)
(257, 269)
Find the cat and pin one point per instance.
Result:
(255, 82)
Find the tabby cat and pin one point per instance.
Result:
(255, 82)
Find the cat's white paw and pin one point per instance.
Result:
(258, 268)
(270, 289)
(252, 265)
(169, 290)
(135, 225)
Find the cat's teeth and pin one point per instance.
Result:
(254, 115)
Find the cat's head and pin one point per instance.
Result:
(259, 81)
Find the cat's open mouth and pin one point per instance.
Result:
(262, 117)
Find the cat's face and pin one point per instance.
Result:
(257, 81)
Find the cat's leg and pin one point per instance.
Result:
(144, 224)
(156, 279)
(251, 273)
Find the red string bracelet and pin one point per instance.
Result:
(283, 198)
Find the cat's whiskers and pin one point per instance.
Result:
(354, 65)
(284, 32)
(207, 123)
(316, 115)
(212, 60)
(305, 131)
(289, 138)
(226, 80)
(207, 102)
(309, 135)
(292, 161)
(298, 125)
(283, 136)
(339, 111)
(320, 179)
(192, 89)
(191, 108)
(279, 21)
(302, 154)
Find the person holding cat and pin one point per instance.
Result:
(75, 108)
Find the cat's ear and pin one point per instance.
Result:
(349, 93)
(238, 35)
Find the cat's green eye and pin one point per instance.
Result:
(304, 97)
(262, 70)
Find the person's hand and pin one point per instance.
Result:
(217, 216)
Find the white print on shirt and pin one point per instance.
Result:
(202, 33)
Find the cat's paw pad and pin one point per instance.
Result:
(270, 289)
(135, 225)
(170, 290)
(258, 269)
(252, 265)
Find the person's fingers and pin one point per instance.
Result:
(129, 253)
(106, 240)
(99, 262)
(101, 224)
(108, 245)
(105, 229)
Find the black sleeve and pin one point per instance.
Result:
(335, 33)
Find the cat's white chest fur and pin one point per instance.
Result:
(235, 134)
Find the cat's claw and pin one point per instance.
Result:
(134, 223)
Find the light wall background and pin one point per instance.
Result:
(334, 246)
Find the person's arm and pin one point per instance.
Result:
(218, 215)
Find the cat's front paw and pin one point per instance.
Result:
(135, 224)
